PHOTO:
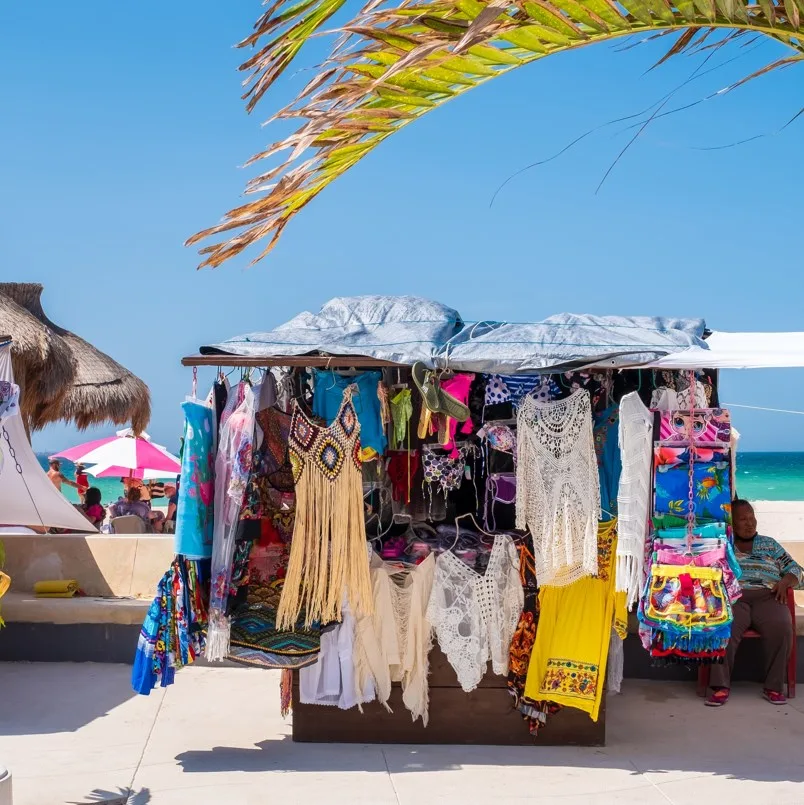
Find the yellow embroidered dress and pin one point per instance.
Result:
(568, 663)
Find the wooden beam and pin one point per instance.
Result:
(317, 361)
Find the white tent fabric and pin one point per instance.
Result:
(740, 351)
(28, 497)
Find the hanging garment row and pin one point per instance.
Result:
(342, 523)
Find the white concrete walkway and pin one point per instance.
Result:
(77, 734)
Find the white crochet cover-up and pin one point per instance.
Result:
(475, 616)
(558, 487)
(633, 495)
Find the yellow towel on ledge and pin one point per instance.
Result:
(56, 589)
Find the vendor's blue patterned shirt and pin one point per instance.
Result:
(766, 564)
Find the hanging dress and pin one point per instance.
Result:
(328, 550)
(331, 679)
(568, 663)
(232, 470)
(393, 644)
(558, 489)
(633, 495)
(475, 616)
(194, 513)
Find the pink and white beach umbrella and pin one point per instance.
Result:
(112, 471)
(124, 453)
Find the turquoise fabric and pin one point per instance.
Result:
(609, 460)
(194, 513)
(329, 388)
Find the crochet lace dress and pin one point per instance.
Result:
(634, 495)
(558, 488)
(475, 616)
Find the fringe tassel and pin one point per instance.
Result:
(328, 550)
(218, 632)
(616, 663)
(286, 692)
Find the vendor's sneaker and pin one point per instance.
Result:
(773, 697)
(718, 697)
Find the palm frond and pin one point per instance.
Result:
(395, 63)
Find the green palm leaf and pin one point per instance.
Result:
(395, 63)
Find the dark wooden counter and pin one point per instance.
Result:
(484, 716)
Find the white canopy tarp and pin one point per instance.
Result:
(27, 497)
(740, 351)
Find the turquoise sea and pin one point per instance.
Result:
(760, 476)
(770, 476)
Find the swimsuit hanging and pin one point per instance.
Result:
(401, 412)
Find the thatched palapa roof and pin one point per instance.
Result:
(44, 366)
(62, 376)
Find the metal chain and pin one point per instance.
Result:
(691, 498)
(12, 452)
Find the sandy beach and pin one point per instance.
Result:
(781, 519)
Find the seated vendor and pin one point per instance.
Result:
(768, 572)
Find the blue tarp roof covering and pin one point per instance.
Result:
(406, 329)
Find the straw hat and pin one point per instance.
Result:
(100, 390)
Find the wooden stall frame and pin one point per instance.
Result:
(484, 717)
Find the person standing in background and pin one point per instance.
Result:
(172, 495)
(57, 477)
(82, 482)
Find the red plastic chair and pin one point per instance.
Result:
(703, 671)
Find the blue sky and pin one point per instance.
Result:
(122, 132)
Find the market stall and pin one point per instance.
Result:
(435, 530)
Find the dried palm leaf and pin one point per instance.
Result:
(394, 63)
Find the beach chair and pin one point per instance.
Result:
(128, 524)
(703, 671)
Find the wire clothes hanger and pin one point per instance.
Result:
(399, 384)
(477, 527)
(404, 517)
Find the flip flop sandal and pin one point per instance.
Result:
(718, 698)
(452, 407)
(773, 697)
(427, 383)
(424, 423)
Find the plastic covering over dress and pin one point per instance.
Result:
(232, 468)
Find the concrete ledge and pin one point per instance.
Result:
(105, 565)
(26, 608)
(74, 642)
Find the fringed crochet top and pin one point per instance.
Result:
(328, 549)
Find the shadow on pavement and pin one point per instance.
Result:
(658, 730)
(84, 692)
(122, 796)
